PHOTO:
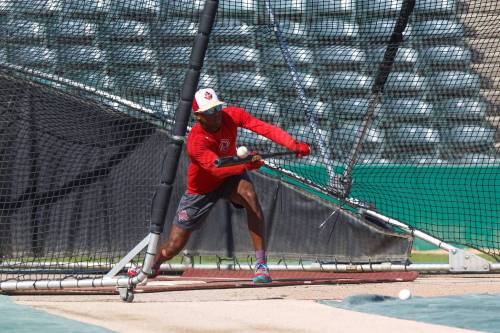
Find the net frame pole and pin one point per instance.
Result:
(334, 181)
(162, 196)
(383, 72)
(183, 112)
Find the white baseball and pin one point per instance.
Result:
(242, 152)
(404, 294)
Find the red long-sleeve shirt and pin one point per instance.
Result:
(204, 148)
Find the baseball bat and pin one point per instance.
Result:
(234, 160)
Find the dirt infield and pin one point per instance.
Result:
(277, 309)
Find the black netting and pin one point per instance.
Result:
(429, 157)
(77, 180)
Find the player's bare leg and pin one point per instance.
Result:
(176, 241)
(244, 194)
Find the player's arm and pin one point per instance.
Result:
(201, 154)
(271, 132)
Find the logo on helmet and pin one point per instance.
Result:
(208, 95)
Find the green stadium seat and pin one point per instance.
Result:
(435, 7)
(338, 56)
(364, 157)
(24, 31)
(139, 82)
(157, 104)
(346, 82)
(367, 9)
(207, 81)
(416, 158)
(334, 29)
(367, 158)
(475, 159)
(76, 31)
(234, 55)
(174, 56)
(94, 78)
(81, 57)
(292, 30)
(462, 108)
(354, 108)
(238, 8)
(173, 31)
(446, 57)
(174, 84)
(33, 56)
(406, 58)
(452, 83)
(406, 110)
(468, 136)
(172, 81)
(133, 56)
(136, 9)
(404, 83)
(301, 56)
(125, 30)
(4, 55)
(296, 109)
(345, 134)
(183, 7)
(86, 8)
(331, 7)
(284, 83)
(305, 133)
(37, 7)
(233, 31)
(244, 82)
(381, 30)
(444, 30)
(289, 8)
(413, 136)
(260, 107)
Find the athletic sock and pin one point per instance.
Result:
(260, 256)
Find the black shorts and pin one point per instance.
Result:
(194, 208)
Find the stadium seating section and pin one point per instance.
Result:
(139, 50)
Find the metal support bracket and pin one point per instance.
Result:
(125, 260)
(461, 261)
(126, 294)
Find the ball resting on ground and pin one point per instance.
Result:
(404, 294)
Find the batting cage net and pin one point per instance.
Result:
(399, 100)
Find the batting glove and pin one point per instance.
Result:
(254, 165)
(302, 149)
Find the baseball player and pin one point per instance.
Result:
(212, 137)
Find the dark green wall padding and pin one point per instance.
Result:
(458, 204)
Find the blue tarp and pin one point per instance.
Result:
(475, 311)
(17, 318)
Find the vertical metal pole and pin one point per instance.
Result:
(378, 87)
(174, 149)
(162, 196)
